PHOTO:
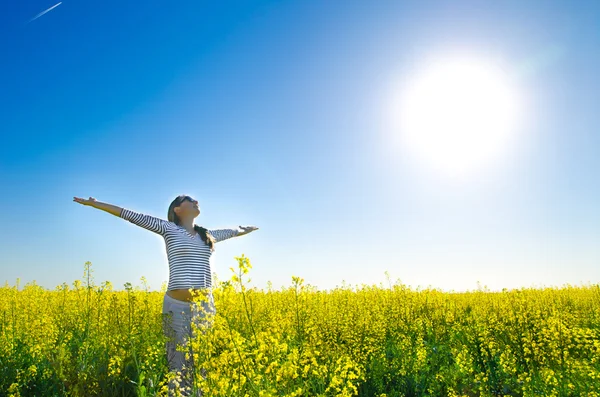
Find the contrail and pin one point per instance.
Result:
(43, 12)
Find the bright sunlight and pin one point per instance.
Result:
(457, 115)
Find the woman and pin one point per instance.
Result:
(189, 248)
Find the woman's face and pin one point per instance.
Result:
(188, 208)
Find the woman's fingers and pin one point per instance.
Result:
(82, 200)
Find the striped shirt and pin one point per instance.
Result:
(189, 256)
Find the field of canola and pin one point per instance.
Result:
(89, 340)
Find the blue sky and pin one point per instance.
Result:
(271, 114)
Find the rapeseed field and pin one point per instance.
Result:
(379, 340)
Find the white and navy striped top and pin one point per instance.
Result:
(189, 256)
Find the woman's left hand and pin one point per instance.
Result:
(246, 229)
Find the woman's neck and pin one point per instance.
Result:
(188, 225)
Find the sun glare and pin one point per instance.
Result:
(457, 115)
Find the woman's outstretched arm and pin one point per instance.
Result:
(111, 209)
(224, 234)
(156, 225)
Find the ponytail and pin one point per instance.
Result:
(208, 238)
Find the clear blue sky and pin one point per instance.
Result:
(270, 114)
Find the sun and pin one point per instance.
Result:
(457, 115)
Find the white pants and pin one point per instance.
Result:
(177, 319)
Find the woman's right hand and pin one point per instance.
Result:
(91, 201)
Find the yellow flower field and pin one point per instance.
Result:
(89, 340)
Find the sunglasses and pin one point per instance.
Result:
(188, 198)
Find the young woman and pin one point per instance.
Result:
(189, 248)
